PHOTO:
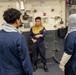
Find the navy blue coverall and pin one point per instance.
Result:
(14, 56)
(70, 49)
(38, 47)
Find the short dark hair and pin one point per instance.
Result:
(11, 15)
(39, 18)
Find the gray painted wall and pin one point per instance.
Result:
(50, 40)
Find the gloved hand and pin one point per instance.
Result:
(64, 60)
(62, 67)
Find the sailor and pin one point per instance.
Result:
(68, 61)
(37, 35)
(14, 56)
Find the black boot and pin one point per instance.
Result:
(46, 68)
(34, 68)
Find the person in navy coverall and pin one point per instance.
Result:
(68, 61)
(14, 55)
(37, 35)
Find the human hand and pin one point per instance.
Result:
(34, 41)
(38, 36)
(62, 67)
(64, 60)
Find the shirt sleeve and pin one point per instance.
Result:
(43, 32)
(24, 55)
(69, 44)
(31, 34)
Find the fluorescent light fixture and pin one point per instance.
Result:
(18, 5)
(22, 7)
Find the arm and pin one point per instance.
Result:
(42, 34)
(31, 36)
(24, 56)
(68, 51)
(64, 60)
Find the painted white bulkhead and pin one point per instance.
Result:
(51, 12)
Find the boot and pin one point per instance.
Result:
(34, 68)
(46, 68)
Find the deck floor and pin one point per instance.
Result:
(53, 70)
